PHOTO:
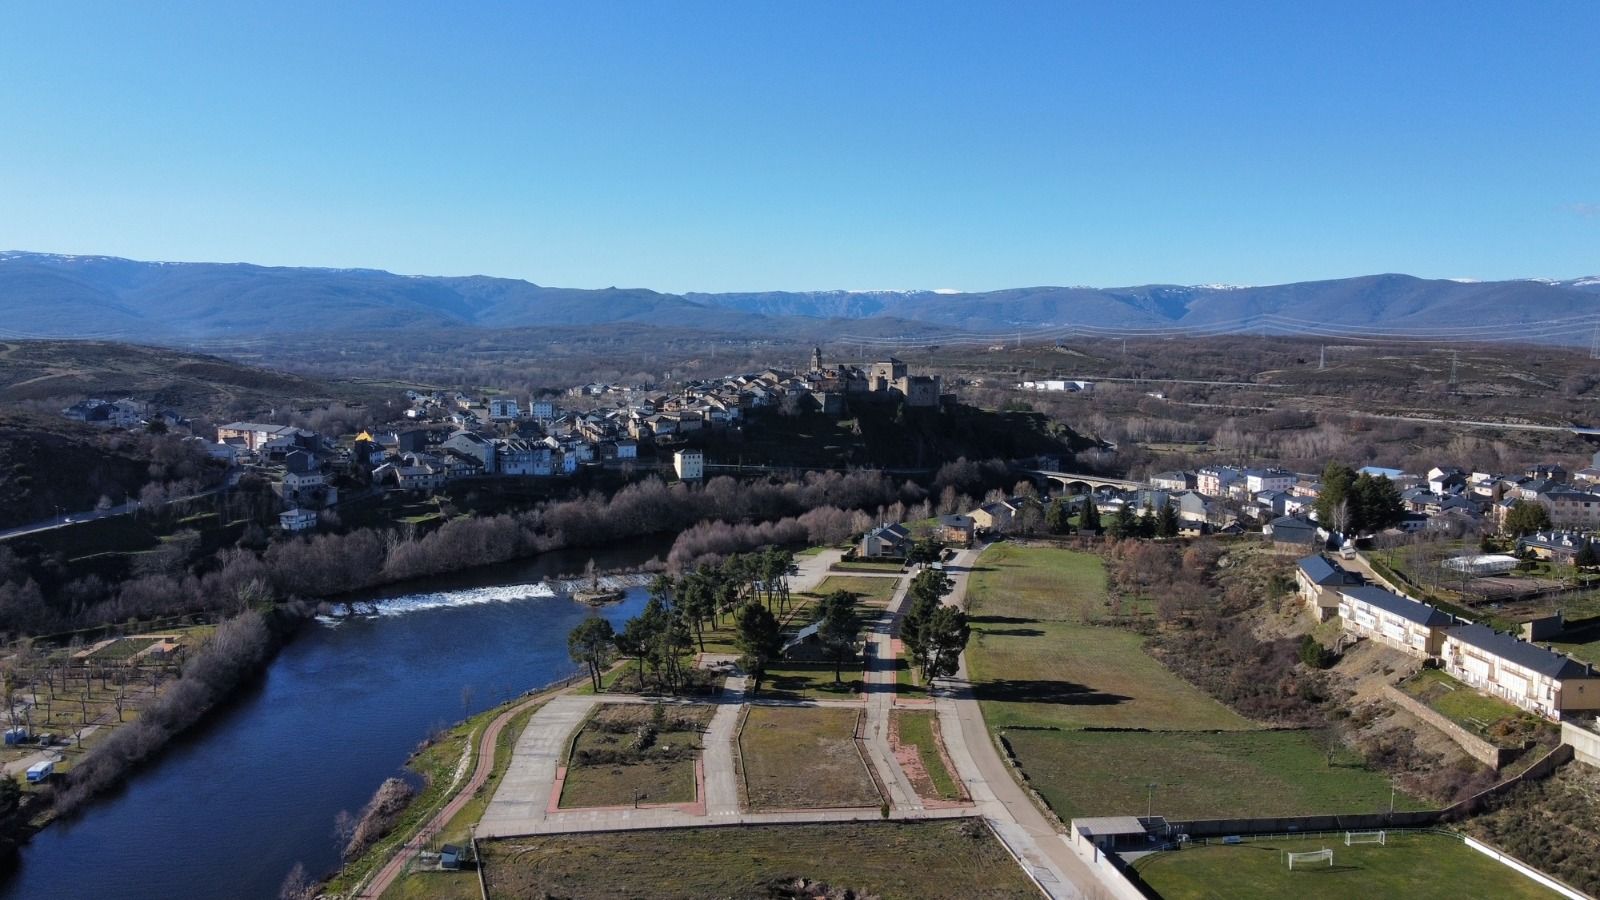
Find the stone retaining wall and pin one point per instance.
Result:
(1476, 747)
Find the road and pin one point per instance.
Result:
(77, 518)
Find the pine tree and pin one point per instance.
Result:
(1089, 520)
(1167, 521)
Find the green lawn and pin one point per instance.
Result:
(1412, 866)
(1077, 676)
(954, 859)
(1490, 718)
(803, 758)
(869, 591)
(719, 638)
(1033, 665)
(918, 728)
(624, 773)
(1038, 583)
(1198, 775)
(812, 681)
(1584, 645)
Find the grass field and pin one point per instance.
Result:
(935, 860)
(719, 638)
(1584, 645)
(803, 758)
(1468, 708)
(917, 728)
(869, 590)
(1045, 584)
(1076, 676)
(1413, 866)
(800, 680)
(1198, 775)
(663, 772)
(123, 648)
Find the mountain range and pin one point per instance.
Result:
(62, 296)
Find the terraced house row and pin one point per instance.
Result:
(1532, 677)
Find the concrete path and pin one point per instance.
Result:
(810, 570)
(722, 777)
(524, 791)
(880, 685)
(398, 860)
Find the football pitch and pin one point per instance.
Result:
(1416, 866)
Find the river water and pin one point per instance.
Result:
(227, 811)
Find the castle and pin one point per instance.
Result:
(888, 378)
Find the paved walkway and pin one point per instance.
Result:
(524, 790)
(810, 570)
(722, 776)
(880, 685)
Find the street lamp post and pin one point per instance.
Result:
(1150, 800)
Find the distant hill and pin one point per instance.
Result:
(59, 372)
(50, 295)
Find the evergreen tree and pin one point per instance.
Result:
(1337, 479)
(840, 623)
(1167, 521)
(759, 641)
(1058, 517)
(943, 635)
(926, 593)
(1089, 520)
(1526, 517)
(1146, 527)
(1123, 524)
(591, 644)
(1586, 558)
(1374, 504)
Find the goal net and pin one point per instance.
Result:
(1310, 858)
(1351, 838)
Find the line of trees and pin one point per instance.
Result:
(751, 588)
(46, 594)
(1148, 523)
(235, 652)
(934, 634)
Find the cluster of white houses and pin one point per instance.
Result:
(1503, 665)
(1445, 499)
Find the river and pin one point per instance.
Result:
(227, 811)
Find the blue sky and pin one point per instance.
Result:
(745, 146)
